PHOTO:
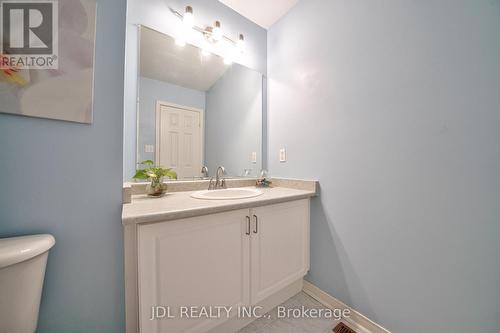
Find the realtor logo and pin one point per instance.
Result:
(28, 34)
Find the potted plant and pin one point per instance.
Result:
(155, 175)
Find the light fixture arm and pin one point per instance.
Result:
(207, 31)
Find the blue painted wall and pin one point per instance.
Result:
(66, 179)
(151, 91)
(394, 106)
(233, 122)
(156, 14)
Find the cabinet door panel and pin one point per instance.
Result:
(200, 261)
(280, 248)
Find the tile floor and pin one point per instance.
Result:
(292, 325)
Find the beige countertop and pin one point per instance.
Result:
(178, 205)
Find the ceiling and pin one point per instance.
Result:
(263, 12)
(161, 59)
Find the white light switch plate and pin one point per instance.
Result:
(149, 148)
(282, 155)
(254, 157)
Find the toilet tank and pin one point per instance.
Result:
(22, 270)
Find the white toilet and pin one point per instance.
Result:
(22, 269)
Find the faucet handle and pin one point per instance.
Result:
(223, 183)
(210, 184)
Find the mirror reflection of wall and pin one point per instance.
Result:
(193, 110)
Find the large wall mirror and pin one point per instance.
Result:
(194, 110)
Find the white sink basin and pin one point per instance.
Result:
(227, 194)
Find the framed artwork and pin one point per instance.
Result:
(47, 58)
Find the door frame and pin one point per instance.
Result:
(159, 103)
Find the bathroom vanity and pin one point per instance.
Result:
(198, 259)
(184, 254)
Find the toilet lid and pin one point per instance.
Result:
(16, 249)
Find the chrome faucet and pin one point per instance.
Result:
(220, 182)
(204, 171)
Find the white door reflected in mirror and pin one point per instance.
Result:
(179, 139)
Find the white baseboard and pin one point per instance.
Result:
(356, 320)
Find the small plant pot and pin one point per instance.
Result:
(156, 188)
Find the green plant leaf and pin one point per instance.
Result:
(140, 174)
(154, 173)
(171, 174)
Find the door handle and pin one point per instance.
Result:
(256, 230)
(248, 226)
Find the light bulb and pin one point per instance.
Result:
(188, 19)
(205, 52)
(240, 44)
(180, 42)
(217, 32)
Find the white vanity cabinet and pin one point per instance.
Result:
(236, 258)
(199, 261)
(279, 247)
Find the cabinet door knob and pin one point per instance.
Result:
(256, 224)
(248, 225)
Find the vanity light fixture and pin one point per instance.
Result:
(217, 32)
(213, 34)
(205, 52)
(188, 18)
(180, 42)
(241, 43)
